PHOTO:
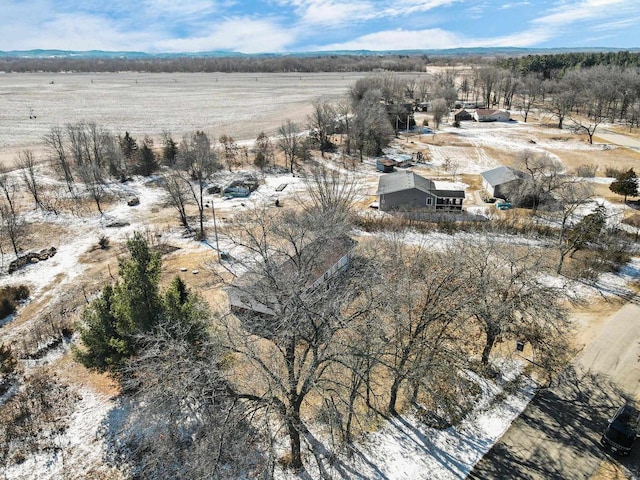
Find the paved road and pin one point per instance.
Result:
(618, 139)
(557, 436)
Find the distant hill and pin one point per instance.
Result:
(101, 54)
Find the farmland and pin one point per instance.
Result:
(241, 105)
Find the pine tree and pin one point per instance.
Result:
(625, 184)
(112, 323)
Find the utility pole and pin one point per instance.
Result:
(215, 229)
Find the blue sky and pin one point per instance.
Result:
(310, 25)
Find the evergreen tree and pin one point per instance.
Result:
(133, 306)
(169, 150)
(129, 146)
(625, 184)
(147, 163)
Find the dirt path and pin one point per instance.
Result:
(557, 436)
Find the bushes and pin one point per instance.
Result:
(10, 297)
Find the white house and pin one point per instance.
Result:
(487, 115)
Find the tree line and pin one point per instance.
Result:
(554, 65)
(231, 64)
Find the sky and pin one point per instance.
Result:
(264, 26)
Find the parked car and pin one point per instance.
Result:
(503, 205)
(621, 431)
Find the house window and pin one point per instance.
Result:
(428, 201)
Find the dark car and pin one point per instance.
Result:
(621, 431)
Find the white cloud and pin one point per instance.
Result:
(72, 32)
(330, 12)
(340, 12)
(586, 10)
(508, 6)
(400, 39)
(244, 35)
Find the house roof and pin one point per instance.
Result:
(400, 181)
(486, 111)
(319, 257)
(498, 176)
(461, 110)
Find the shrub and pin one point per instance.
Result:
(586, 171)
(103, 241)
(9, 298)
(612, 172)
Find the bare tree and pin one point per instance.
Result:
(425, 318)
(229, 150)
(94, 182)
(178, 195)
(293, 312)
(542, 175)
(563, 99)
(322, 124)
(9, 189)
(529, 94)
(264, 151)
(12, 225)
(509, 299)
(372, 130)
(179, 420)
(487, 79)
(439, 109)
(199, 159)
(571, 194)
(289, 142)
(345, 125)
(56, 144)
(331, 192)
(27, 164)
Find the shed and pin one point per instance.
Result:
(385, 165)
(462, 115)
(409, 191)
(498, 181)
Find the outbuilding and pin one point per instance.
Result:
(498, 181)
(462, 115)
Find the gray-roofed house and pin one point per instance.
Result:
(498, 181)
(405, 191)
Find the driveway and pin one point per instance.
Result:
(617, 139)
(558, 434)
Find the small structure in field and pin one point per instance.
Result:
(489, 115)
(385, 165)
(240, 188)
(407, 191)
(462, 115)
(498, 181)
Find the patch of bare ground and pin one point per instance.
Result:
(618, 158)
(503, 157)
(610, 470)
(589, 320)
(73, 373)
(449, 139)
